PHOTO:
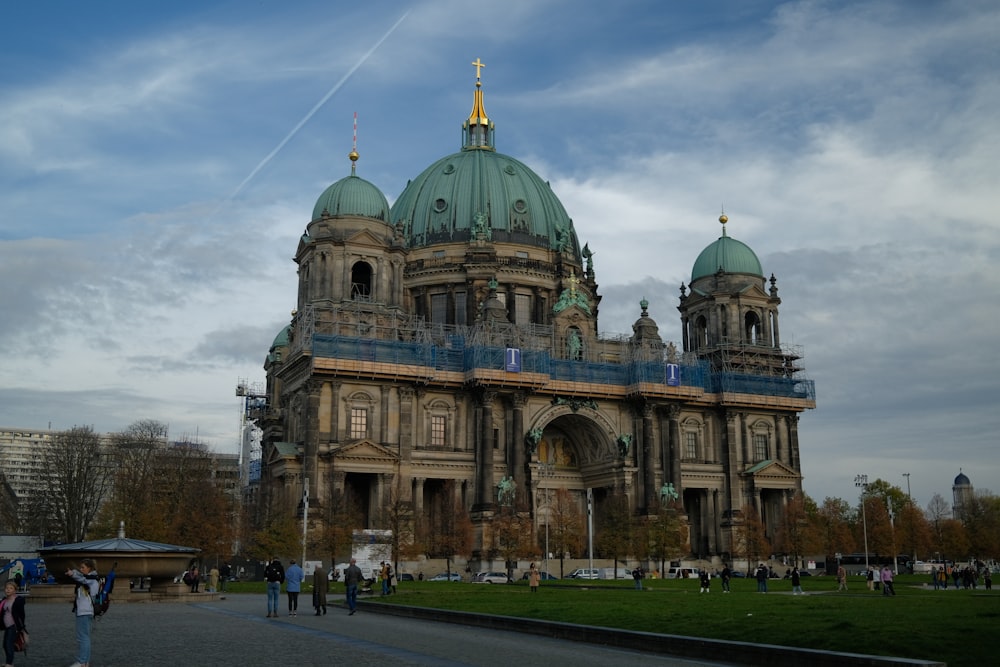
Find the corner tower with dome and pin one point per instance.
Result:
(444, 357)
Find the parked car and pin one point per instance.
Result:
(739, 574)
(491, 578)
(545, 576)
(584, 573)
(444, 576)
(406, 576)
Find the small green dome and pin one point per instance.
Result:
(514, 205)
(728, 255)
(352, 196)
(281, 340)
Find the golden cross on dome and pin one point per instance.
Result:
(478, 65)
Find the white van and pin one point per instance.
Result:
(609, 573)
(682, 573)
(584, 573)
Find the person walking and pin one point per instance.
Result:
(726, 575)
(321, 586)
(887, 587)
(352, 577)
(796, 582)
(294, 577)
(87, 586)
(274, 575)
(841, 578)
(534, 577)
(12, 614)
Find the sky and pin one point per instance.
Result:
(159, 161)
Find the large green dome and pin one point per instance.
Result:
(352, 196)
(728, 255)
(478, 193)
(443, 203)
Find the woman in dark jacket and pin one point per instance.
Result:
(12, 614)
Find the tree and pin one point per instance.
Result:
(566, 529)
(511, 535)
(447, 530)
(913, 531)
(833, 520)
(80, 479)
(397, 515)
(981, 516)
(665, 535)
(137, 450)
(282, 535)
(797, 533)
(615, 528)
(749, 537)
(341, 517)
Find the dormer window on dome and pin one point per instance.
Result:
(477, 131)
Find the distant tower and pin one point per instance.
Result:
(961, 493)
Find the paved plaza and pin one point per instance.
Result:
(234, 631)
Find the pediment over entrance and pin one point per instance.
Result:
(366, 451)
(772, 473)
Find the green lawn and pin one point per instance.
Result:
(950, 626)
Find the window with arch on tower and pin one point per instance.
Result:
(361, 282)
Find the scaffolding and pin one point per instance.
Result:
(253, 405)
(370, 340)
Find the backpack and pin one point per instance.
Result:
(102, 601)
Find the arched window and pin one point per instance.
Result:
(361, 282)
(752, 331)
(700, 332)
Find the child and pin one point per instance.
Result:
(706, 581)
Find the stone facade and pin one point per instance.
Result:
(432, 368)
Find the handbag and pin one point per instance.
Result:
(21, 641)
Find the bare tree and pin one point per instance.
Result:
(616, 528)
(749, 536)
(566, 527)
(138, 452)
(80, 479)
(447, 532)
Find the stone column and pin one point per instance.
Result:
(781, 439)
(648, 457)
(674, 414)
(406, 395)
(383, 418)
(484, 451)
(335, 434)
(518, 457)
(310, 451)
(418, 496)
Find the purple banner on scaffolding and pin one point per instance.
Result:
(512, 363)
(673, 375)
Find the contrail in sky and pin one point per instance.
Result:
(319, 105)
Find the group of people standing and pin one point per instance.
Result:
(275, 575)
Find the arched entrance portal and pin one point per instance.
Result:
(576, 452)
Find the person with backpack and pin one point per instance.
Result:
(274, 575)
(88, 585)
(12, 615)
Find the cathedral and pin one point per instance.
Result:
(445, 352)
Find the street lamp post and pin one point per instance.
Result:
(861, 481)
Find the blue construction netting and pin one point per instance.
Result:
(454, 355)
